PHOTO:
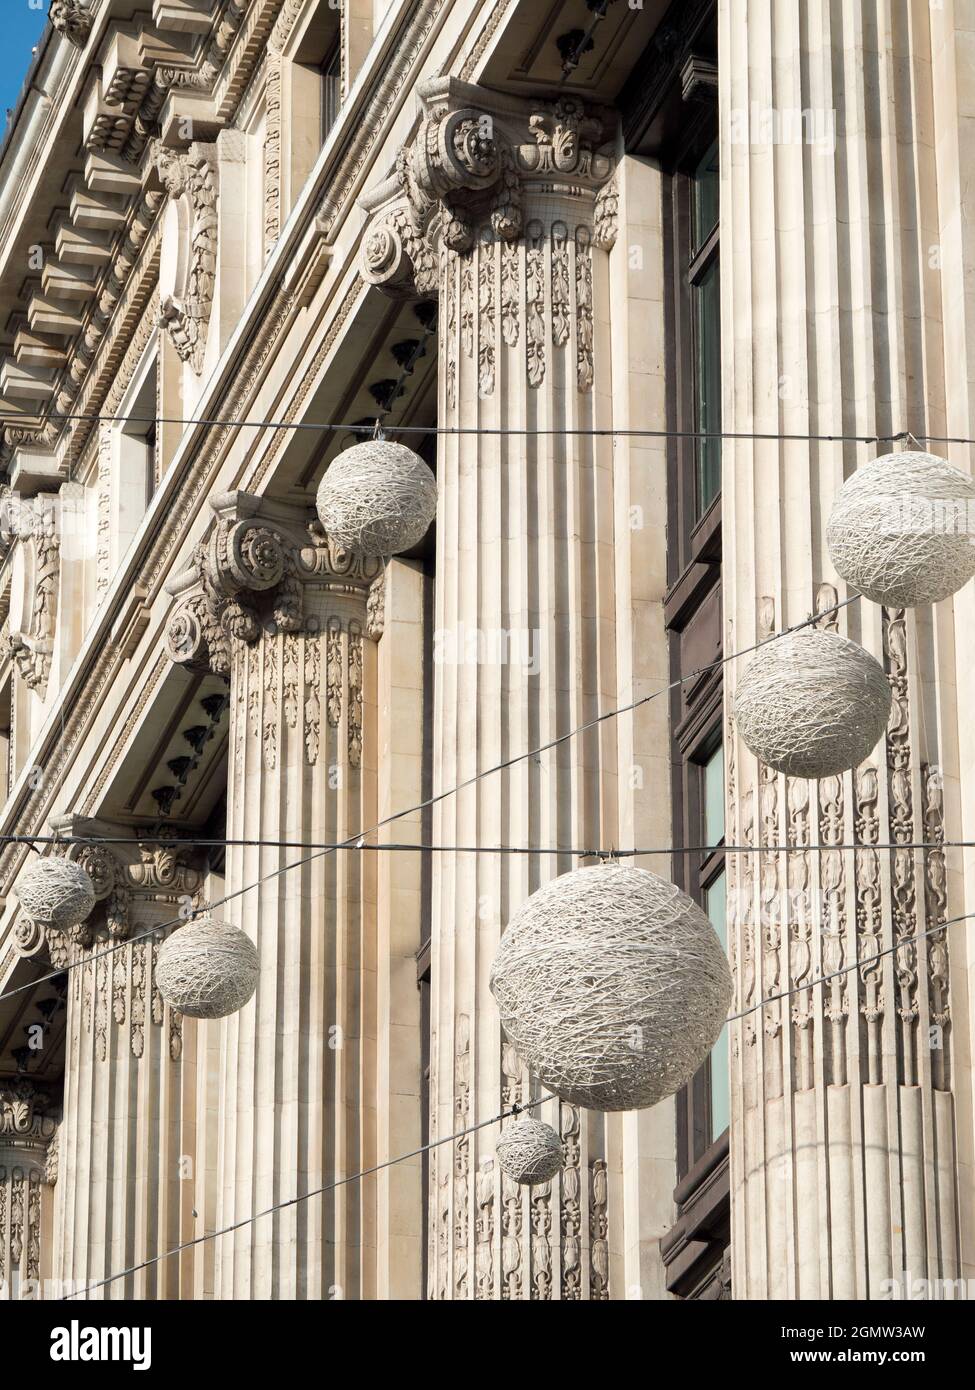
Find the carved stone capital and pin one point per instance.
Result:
(129, 881)
(250, 575)
(481, 163)
(73, 19)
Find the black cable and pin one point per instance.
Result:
(369, 427)
(442, 796)
(406, 847)
(315, 1192)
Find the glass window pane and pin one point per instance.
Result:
(712, 780)
(707, 384)
(705, 185)
(715, 905)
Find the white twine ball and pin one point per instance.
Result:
(377, 498)
(812, 704)
(901, 529)
(207, 969)
(612, 986)
(530, 1152)
(56, 891)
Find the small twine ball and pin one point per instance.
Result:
(612, 987)
(901, 529)
(530, 1152)
(56, 891)
(812, 704)
(377, 498)
(207, 969)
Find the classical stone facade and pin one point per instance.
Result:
(236, 235)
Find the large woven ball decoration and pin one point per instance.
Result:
(612, 986)
(377, 498)
(530, 1152)
(57, 892)
(207, 969)
(812, 704)
(901, 529)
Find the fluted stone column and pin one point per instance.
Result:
(119, 1151)
(28, 1169)
(505, 209)
(293, 622)
(843, 1117)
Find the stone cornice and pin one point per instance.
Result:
(379, 91)
(121, 117)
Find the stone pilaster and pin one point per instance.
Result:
(293, 623)
(504, 209)
(843, 1118)
(28, 1169)
(120, 1151)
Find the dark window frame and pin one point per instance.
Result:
(693, 610)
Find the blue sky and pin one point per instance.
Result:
(21, 24)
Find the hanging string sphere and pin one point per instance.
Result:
(901, 529)
(612, 986)
(530, 1152)
(812, 704)
(377, 498)
(207, 969)
(57, 892)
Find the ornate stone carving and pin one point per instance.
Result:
(936, 911)
(248, 577)
(476, 160)
(27, 1112)
(73, 19)
(36, 580)
(599, 1231)
(28, 1159)
(191, 180)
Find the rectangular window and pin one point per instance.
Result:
(714, 899)
(707, 385)
(692, 247)
(712, 799)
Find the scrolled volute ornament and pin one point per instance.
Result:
(185, 639)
